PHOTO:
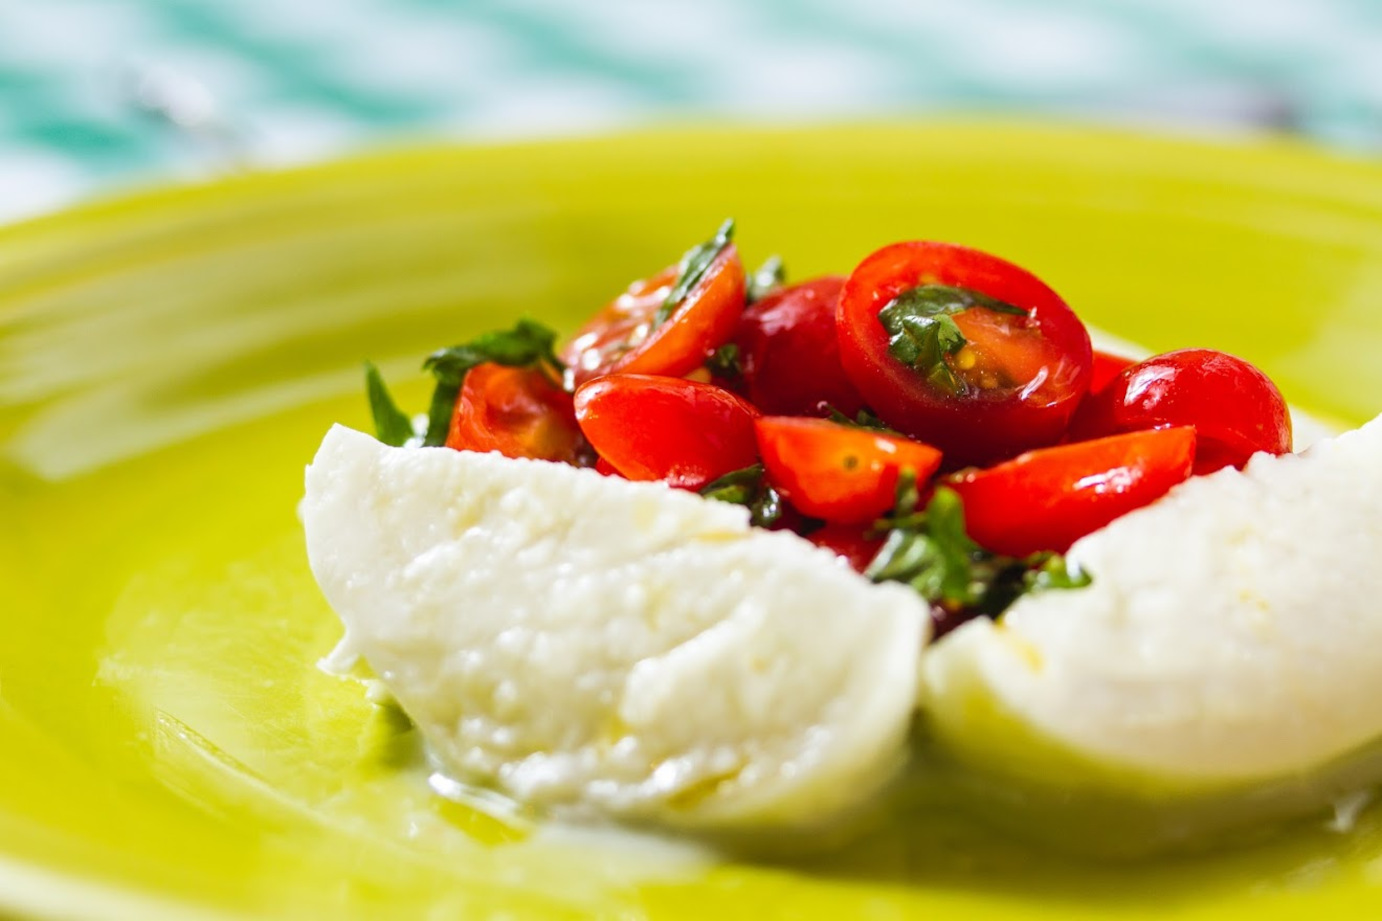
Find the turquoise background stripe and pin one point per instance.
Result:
(280, 81)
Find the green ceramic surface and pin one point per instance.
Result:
(168, 362)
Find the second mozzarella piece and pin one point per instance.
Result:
(1231, 633)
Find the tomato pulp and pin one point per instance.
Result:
(1009, 381)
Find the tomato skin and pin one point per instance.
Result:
(519, 412)
(1049, 498)
(838, 472)
(853, 543)
(682, 432)
(704, 320)
(1106, 367)
(790, 352)
(1235, 408)
(970, 429)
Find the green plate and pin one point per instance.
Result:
(168, 363)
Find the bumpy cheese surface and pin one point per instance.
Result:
(585, 643)
(1233, 631)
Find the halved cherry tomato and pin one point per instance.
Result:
(853, 542)
(1049, 498)
(1106, 367)
(622, 337)
(682, 432)
(790, 353)
(1013, 386)
(838, 472)
(1235, 408)
(517, 411)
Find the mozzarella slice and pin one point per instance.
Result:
(1232, 634)
(588, 644)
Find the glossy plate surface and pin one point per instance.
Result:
(168, 363)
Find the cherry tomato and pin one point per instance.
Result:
(1235, 408)
(853, 542)
(1048, 498)
(1106, 367)
(517, 411)
(605, 468)
(838, 472)
(682, 432)
(1012, 386)
(622, 337)
(790, 354)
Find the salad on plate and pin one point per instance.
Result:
(747, 556)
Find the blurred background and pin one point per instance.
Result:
(98, 95)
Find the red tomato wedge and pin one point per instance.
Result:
(1235, 408)
(517, 411)
(625, 336)
(1012, 382)
(682, 432)
(851, 542)
(838, 472)
(1049, 498)
(790, 354)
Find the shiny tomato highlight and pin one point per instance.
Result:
(1235, 408)
(684, 433)
(1049, 498)
(838, 472)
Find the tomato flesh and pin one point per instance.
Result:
(517, 411)
(837, 472)
(1024, 376)
(622, 336)
(1235, 408)
(1048, 498)
(790, 354)
(684, 433)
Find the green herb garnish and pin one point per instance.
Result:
(922, 332)
(694, 265)
(930, 551)
(724, 362)
(862, 420)
(766, 279)
(528, 343)
(748, 487)
(391, 424)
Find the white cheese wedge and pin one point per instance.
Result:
(1232, 634)
(584, 643)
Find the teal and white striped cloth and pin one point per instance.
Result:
(92, 91)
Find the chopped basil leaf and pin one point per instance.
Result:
(922, 332)
(724, 362)
(439, 413)
(391, 424)
(931, 552)
(528, 343)
(1054, 572)
(766, 279)
(694, 265)
(748, 487)
(862, 420)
